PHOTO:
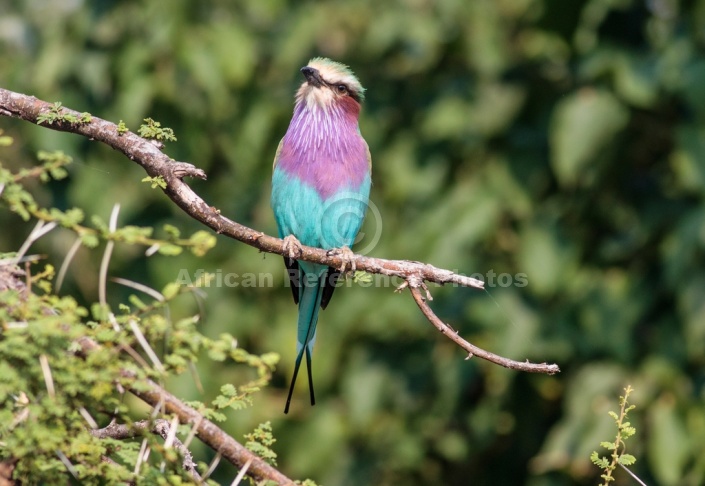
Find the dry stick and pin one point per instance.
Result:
(65, 264)
(636, 478)
(415, 288)
(241, 474)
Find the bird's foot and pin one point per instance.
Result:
(346, 255)
(292, 247)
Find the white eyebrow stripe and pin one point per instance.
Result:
(333, 76)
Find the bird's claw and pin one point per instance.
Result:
(292, 247)
(346, 255)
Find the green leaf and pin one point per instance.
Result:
(137, 302)
(153, 129)
(260, 442)
(122, 128)
(201, 242)
(362, 277)
(627, 459)
(157, 181)
(170, 250)
(171, 290)
(100, 312)
(172, 231)
(600, 462)
(99, 223)
(547, 257)
(90, 240)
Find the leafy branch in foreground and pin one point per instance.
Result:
(260, 442)
(63, 375)
(53, 166)
(618, 456)
(65, 370)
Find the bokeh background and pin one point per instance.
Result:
(560, 139)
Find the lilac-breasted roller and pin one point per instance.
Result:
(320, 189)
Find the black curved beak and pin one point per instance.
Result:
(312, 76)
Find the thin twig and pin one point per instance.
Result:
(46, 371)
(67, 463)
(103, 277)
(191, 434)
(141, 456)
(65, 264)
(135, 355)
(146, 347)
(158, 296)
(214, 463)
(87, 416)
(39, 230)
(636, 478)
(171, 436)
(473, 350)
(241, 474)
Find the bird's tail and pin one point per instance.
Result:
(309, 304)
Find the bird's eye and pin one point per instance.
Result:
(342, 89)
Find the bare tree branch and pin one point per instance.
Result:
(147, 154)
(415, 288)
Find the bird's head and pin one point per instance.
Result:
(329, 84)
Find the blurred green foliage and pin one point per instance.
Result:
(562, 139)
